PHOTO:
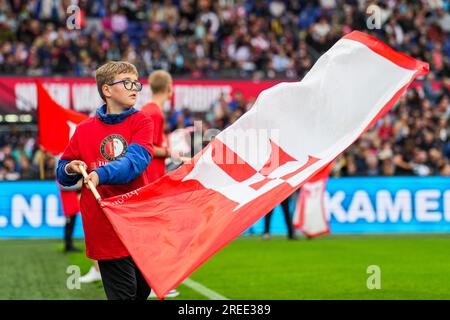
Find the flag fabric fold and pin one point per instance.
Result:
(55, 124)
(293, 132)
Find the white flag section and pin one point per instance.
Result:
(310, 216)
(294, 129)
(293, 132)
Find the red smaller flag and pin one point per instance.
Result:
(70, 202)
(55, 124)
(310, 214)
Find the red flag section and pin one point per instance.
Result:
(55, 124)
(173, 225)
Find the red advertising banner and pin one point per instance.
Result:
(19, 95)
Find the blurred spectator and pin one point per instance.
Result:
(9, 171)
(26, 171)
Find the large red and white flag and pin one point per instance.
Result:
(310, 216)
(293, 131)
(55, 124)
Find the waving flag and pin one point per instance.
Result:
(55, 124)
(310, 215)
(293, 131)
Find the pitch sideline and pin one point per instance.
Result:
(210, 294)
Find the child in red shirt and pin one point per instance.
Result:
(115, 147)
(160, 83)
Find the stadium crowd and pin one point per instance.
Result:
(205, 38)
(229, 39)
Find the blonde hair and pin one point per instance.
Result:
(159, 81)
(106, 73)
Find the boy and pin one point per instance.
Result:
(160, 83)
(115, 148)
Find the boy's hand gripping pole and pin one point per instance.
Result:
(91, 186)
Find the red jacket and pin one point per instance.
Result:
(98, 143)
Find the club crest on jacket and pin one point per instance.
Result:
(113, 147)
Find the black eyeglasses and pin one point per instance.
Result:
(128, 84)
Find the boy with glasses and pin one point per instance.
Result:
(115, 148)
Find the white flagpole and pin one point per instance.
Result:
(91, 186)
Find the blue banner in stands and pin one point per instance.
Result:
(379, 205)
(32, 209)
(389, 204)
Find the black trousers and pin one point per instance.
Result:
(68, 231)
(287, 218)
(122, 280)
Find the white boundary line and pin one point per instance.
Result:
(210, 294)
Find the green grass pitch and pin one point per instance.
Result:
(330, 267)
